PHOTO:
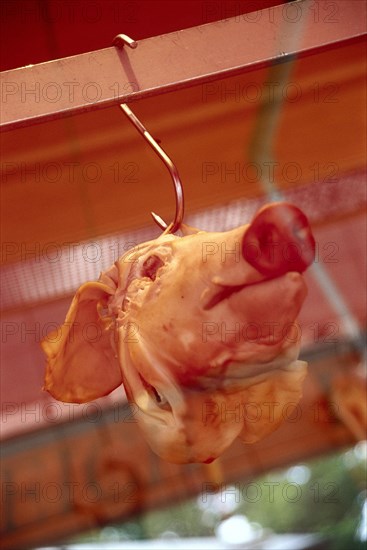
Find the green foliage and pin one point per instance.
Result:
(342, 535)
(329, 494)
(182, 519)
(322, 496)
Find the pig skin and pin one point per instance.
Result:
(205, 345)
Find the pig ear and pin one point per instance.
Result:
(282, 388)
(81, 361)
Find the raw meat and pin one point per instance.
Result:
(201, 330)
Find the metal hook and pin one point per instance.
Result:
(121, 39)
(174, 226)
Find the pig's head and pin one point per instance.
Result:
(199, 329)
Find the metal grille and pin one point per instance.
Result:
(54, 272)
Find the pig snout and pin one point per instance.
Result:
(279, 240)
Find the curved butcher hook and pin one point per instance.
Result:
(119, 41)
(175, 225)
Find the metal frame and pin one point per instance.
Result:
(198, 55)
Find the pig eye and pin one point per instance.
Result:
(158, 397)
(151, 266)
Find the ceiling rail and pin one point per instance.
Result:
(198, 55)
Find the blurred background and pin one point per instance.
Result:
(77, 192)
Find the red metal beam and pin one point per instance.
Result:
(192, 56)
(50, 492)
